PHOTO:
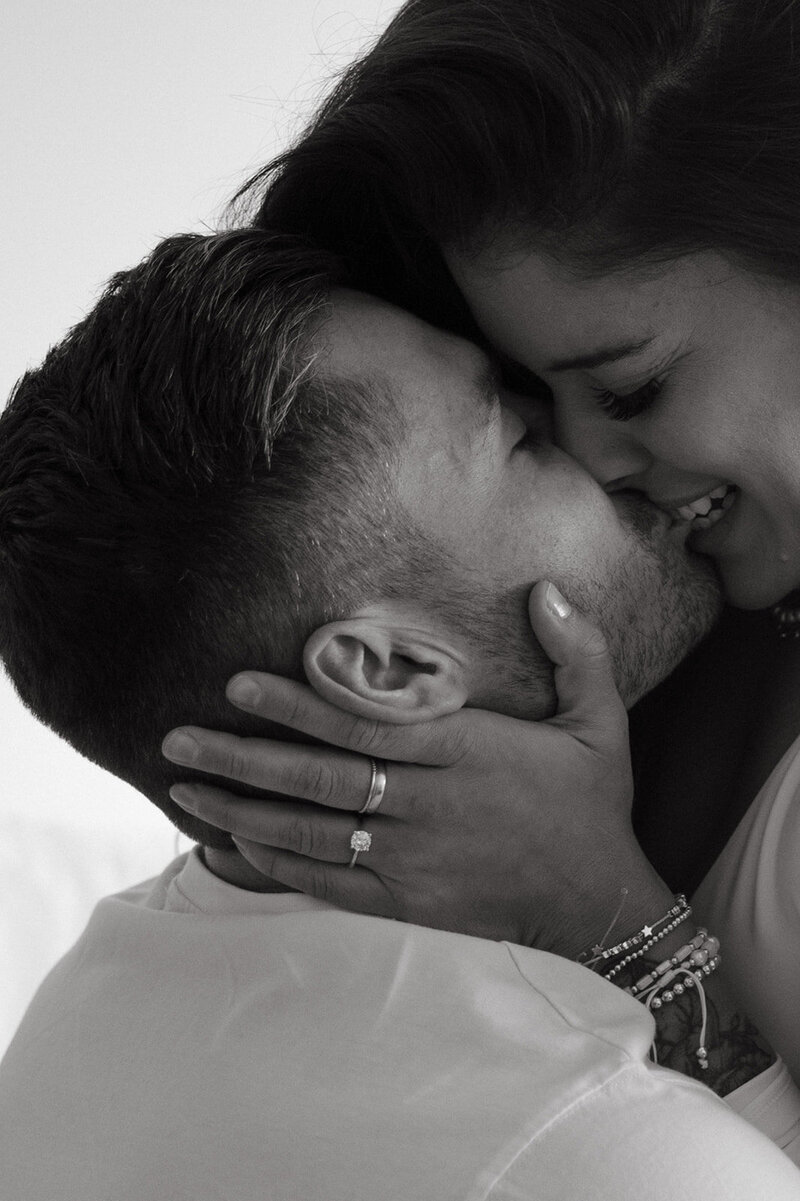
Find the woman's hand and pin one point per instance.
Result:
(489, 825)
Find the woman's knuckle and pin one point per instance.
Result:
(301, 837)
(318, 781)
(593, 644)
(457, 743)
(286, 708)
(319, 881)
(235, 764)
(362, 734)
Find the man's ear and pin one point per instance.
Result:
(381, 668)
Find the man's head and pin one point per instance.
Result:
(479, 476)
(233, 463)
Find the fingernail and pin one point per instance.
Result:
(556, 602)
(243, 690)
(181, 747)
(182, 796)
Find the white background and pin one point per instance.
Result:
(122, 122)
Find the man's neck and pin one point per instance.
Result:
(233, 868)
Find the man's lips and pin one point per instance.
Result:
(639, 511)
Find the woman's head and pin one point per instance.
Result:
(592, 157)
(602, 130)
(682, 381)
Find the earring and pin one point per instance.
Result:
(786, 616)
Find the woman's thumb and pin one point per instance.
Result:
(584, 673)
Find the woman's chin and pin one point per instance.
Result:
(755, 549)
(757, 586)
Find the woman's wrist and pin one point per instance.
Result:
(634, 897)
(670, 966)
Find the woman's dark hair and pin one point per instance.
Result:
(604, 131)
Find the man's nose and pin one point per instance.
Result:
(605, 448)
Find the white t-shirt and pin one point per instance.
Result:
(751, 900)
(203, 1043)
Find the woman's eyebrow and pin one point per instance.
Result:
(597, 358)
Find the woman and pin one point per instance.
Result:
(613, 187)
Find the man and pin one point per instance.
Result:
(231, 460)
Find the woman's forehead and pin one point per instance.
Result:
(528, 301)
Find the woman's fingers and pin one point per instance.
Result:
(355, 889)
(323, 775)
(305, 830)
(442, 742)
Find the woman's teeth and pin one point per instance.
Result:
(708, 510)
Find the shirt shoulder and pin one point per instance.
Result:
(751, 900)
(638, 1134)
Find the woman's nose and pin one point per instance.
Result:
(605, 448)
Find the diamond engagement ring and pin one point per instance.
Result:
(377, 786)
(360, 840)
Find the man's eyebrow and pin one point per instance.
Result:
(598, 358)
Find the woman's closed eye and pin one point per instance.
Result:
(623, 407)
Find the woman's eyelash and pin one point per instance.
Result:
(623, 408)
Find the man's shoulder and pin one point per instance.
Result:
(424, 1062)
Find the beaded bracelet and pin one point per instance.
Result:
(656, 999)
(600, 954)
(694, 953)
(693, 980)
(645, 947)
(672, 977)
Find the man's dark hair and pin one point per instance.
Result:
(603, 131)
(183, 494)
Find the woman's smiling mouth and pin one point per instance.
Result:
(705, 511)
